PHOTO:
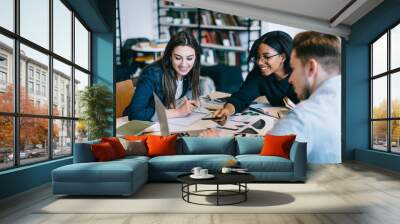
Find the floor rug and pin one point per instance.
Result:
(167, 198)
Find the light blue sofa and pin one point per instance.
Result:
(125, 176)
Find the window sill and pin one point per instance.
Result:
(26, 167)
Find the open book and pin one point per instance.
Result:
(134, 127)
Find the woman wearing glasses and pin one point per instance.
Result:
(269, 77)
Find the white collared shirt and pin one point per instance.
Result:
(317, 121)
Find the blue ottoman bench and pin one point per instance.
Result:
(118, 177)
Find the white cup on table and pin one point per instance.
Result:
(226, 170)
(196, 171)
(203, 172)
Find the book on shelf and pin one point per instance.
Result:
(231, 58)
(186, 17)
(219, 19)
(207, 18)
(224, 38)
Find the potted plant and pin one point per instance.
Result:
(96, 104)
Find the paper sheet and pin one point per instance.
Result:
(175, 128)
(134, 127)
(186, 121)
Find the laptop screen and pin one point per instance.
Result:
(162, 115)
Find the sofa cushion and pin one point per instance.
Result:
(277, 145)
(161, 145)
(116, 145)
(103, 152)
(206, 145)
(249, 145)
(136, 137)
(257, 163)
(131, 158)
(83, 152)
(185, 163)
(112, 171)
(134, 147)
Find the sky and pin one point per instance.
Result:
(35, 27)
(379, 59)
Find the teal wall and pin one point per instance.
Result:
(24, 178)
(103, 62)
(356, 86)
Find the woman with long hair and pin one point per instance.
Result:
(174, 78)
(269, 77)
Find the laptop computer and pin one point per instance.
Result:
(163, 120)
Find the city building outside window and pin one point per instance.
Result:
(3, 72)
(3, 78)
(56, 127)
(30, 72)
(30, 87)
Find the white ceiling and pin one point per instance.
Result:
(315, 15)
(321, 9)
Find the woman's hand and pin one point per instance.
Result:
(224, 113)
(187, 107)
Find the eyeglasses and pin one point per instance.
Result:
(263, 58)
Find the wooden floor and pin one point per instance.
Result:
(378, 188)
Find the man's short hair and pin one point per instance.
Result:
(324, 48)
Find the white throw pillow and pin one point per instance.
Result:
(134, 147)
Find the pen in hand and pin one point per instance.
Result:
(262, 112)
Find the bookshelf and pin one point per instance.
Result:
(225, 39)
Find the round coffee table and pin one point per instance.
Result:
(238, 179)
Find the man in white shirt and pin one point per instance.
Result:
(315, 60)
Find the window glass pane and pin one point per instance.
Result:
(395, 47)
(379, 135)
(6, 142)
(81, 131)
(81, 45)
(81, 81)
(395, 136)
(379, 97)
(62, 141)
(62, 89)
(62, 29)
(35, 21)
(33, 139)
(6, 74)
(379, 55)
(7, 14)
(395, 94)
(34, 72)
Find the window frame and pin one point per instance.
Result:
(388, 74)
(16, 114)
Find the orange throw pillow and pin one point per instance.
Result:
(161, 145)
(116, 145)
(103, 152)
(136, 137)
(277, 145)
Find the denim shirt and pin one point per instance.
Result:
(142, 106)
